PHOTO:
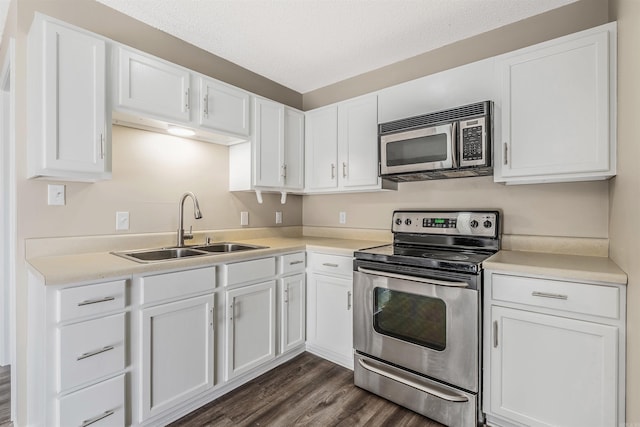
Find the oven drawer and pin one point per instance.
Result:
(331, 264)
(438, 401)
(574, 297)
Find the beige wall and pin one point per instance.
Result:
(624, 230)
(150, 173)
(572, 209)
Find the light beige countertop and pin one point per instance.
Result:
(95, 266)
(561, 266)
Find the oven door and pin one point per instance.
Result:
(418, 150)
(429, 326)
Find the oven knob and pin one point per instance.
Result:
(487, 224)
(398, 221)
(473, 223)
(407, 221)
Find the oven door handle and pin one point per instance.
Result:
(432, 390)
(413, 278)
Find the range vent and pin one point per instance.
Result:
(464, 112)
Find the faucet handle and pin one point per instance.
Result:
(189, 235)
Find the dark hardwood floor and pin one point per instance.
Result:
(5, 394)
(306, 391)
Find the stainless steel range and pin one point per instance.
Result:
(417, 313)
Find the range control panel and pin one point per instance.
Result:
(469, 223)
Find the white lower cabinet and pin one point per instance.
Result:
(172, 341)
(552, 358)
(177, 352)
(292, 312)
(329, 308)
(251, 327)
(77, 359)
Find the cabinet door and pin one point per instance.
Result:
(269, 143)
(293, 149)
(75, 121)
(321, 149)
(555, 109)
(223, 107)
(358, 143)
(552, 371)
(330, 316)
(177, 353)
(293, 312)
(251, 327)
(153, 86)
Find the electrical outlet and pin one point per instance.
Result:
(278, 217)
(55, 195)
(244, 218)
(122, 221)
(343, 217)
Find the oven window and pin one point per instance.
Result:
(425, 149)
(415, 318)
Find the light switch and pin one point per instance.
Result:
(56, 195)
(244, 218)
(122, 221)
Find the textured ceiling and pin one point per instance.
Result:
(308, 44)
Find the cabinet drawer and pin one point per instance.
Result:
(248, 271)
(174, 285)
(568, 296)
(291, 263)
(90, 300)
(98, 405)
(91, 350)
(331, 264)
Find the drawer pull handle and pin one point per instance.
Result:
(329, 264)
(96, 301)
(97, 418)
(296, 262)
(95, 352)
(548, 295)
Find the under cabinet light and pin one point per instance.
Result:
(178, 131)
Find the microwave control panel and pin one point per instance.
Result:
(473, 142)
(480, 223)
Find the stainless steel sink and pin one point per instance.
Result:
(166, 254)
(226, 247)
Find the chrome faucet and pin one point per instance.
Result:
(196, 213)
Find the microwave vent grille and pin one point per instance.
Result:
(466, 111)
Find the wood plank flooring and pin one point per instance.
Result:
(306, 391)
(5, 394)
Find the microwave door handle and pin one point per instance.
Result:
(454, 144)
(413, 278)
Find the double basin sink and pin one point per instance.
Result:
(166, 254)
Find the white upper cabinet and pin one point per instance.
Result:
(69, 116)
(558, 110)
(269, 143)
(321, 149)
(341, 144)
(223, 107)
(293, 149)
(274, 159)
(147, 84)
(358, 143)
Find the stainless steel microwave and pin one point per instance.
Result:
(445, 144)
